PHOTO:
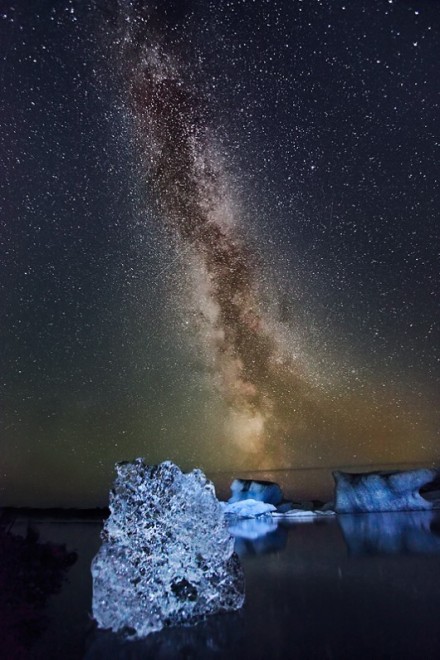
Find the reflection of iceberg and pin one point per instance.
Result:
(168, 557)
(253, 528)
(410, 490)
(392, 533)
(303, 515)
(218, 636)
(257, 536)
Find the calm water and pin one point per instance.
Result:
(365, 586)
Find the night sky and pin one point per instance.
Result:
(219, 238)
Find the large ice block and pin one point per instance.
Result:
(251, 489)
(167, 557)
(385, 491)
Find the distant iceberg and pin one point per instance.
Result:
(251, 489)
(167, 556)
(410, 490)
(252, 498)
(247, 508)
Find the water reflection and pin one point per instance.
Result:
(393, 533)
(311, 583)
(217, 636)
(402, 533)
(258, 536)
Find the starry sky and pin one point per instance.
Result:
(219, 238)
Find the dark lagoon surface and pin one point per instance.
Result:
(354, 586)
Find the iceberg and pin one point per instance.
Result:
(247, 508)
(261, 491)
(268, 493)
(167, 557)
(386, 491)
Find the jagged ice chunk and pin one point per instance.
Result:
(167, 557)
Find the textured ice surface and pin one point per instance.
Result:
(262, 491)
(247, 508)
(384, 491)
(167, 557)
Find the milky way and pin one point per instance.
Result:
(271, 401)
(181, 159)
(219, 229)
(255, 376)
(275, 402)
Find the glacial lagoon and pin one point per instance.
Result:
(354, 586)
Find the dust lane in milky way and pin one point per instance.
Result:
(271, 399)
(188, 188)
(184, 170)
